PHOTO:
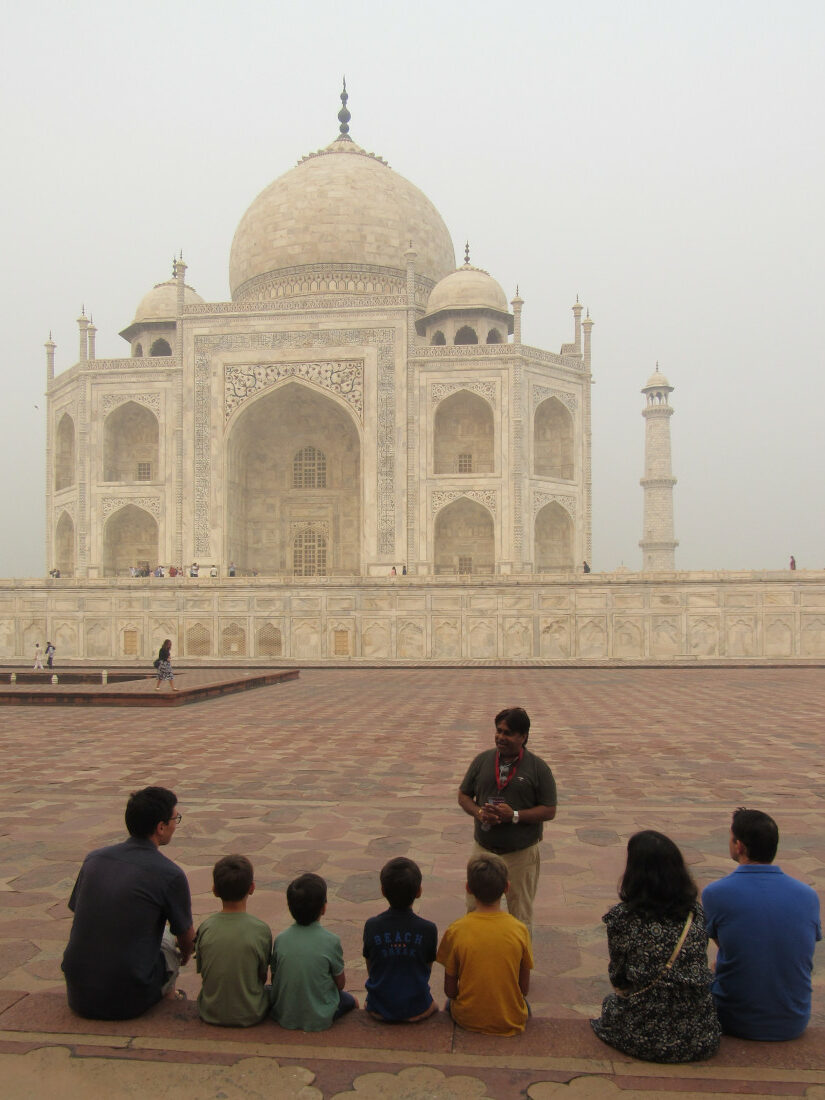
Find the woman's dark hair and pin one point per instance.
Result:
(656, 882)
(164, 649)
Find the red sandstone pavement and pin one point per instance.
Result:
(341, 769)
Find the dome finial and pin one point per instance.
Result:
(343, 115)
(466, 252)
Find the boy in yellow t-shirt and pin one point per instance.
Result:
(487, 956)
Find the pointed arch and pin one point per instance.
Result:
(293, 460)
(466, 335)
(463, 437)
(130, 537)
(64, 453)
(130, 444)
(160, 347)
(553, 440)
(438, 339)
(464, 538)
(553, 539)
(64, 541)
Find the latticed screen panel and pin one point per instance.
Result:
(309, 469)
(465, 565)
(309, 554)
(269, 641)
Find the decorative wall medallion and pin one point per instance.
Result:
(567, 502)
(441, 497)
(112, 400)
(342, 377)
(108, 505)
(68, 507)
(541, 393)
(440, 390)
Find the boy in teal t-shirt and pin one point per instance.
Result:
(232, 950)
(308, 963)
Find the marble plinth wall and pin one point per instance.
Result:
(608, 617)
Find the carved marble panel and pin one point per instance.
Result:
(441, 497)
(343, 377)
(482, 637)
(741, 636)
(541, 393)
(555, 637)
(517, 637)
(7, 646)
(64, 639)
(440, 390)
(812, 636)
(628, 637)
(98, 638)
(306, 639)
(592, 636)
(778, 636)
(151, 504)
(410, 638)
(376, 637)
(111, 401)
(446, 638)
(666, 636)
(703, 636)
(568, 502)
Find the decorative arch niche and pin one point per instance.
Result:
(466, 335)
(553, 441)
(293, 464)
(160, 347)
(64, 559)
(554, 539)
(64, 453)
(463, 440)
(130, 537)
(464, 539)
(130, 444)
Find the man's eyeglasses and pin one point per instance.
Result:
(176, 819)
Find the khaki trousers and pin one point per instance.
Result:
(523, 869)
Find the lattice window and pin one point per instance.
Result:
(198, 641)
(309, 554)
(465, 464)
(309, 469)
(269, 641)
(340, 643)
(233, 641)
(144, 471)
(465, 565)
(130, 643)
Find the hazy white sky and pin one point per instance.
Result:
(663, 160)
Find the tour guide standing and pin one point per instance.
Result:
(511, 793)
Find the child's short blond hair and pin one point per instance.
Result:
(487, 878)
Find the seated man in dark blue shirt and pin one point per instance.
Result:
(120, 960)
(766, 925)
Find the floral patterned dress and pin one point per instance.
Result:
(164, 667)
(674, 1020)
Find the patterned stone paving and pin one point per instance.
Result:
(339, 770)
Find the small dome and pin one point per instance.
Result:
(467, 288)
(657, 381)
(161, 303)
(340, 205)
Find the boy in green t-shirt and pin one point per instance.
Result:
(308, 963)
(232, 951)
(487, 956)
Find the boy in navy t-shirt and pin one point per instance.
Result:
(400, 950)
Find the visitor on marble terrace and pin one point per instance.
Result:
(121, 960)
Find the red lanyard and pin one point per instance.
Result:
(513, 769)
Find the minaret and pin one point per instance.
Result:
(658, 544)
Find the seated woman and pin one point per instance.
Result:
(662, 1010)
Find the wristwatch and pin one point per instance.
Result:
(515, 817)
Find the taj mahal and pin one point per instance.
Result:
(364, 460)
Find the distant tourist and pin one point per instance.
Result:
(133, 571)
(403, 570)
(766, 925)
(393, 572)
(163, 664)
(585, 567)
(172, 571)
(232, 569)
(213, 572)
(120, 960)
(193, 569)
(38, 656)
(792, 563)
(159, 571)
(662, 1009)
(50, 652)
(55, 574)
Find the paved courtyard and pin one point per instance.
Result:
(339, 770)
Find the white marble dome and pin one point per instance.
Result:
(467, 288)
(657, 381)
(344, 206)
(161, 303)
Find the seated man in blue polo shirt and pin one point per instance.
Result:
(766, 925)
